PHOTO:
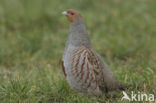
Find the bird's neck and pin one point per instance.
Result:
(79, 35)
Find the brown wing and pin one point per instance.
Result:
(97, 68)
(110, 82)
(104, 76)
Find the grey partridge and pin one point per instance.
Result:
(85, 70)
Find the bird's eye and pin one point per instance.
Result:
(72, 13)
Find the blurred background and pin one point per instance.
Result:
(32, 41)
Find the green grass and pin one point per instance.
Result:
(32, 41)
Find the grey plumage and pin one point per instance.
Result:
(88, 66)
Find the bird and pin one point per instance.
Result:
(84, 69)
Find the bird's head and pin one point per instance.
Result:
(73, 16)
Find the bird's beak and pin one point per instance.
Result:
(64, 13)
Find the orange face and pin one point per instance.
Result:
(71, 15)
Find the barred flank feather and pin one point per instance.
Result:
(83, 69)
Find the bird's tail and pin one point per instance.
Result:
(110, 82)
